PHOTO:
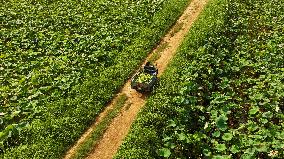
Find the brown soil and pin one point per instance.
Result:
(119, 127)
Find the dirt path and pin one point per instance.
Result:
(119, 127)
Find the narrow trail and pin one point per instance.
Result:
(120, 125)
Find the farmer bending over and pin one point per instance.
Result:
(149, 68)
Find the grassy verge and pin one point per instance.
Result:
(157, 54)
(176, 29)
(91, 141)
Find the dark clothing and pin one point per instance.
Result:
(150, 69)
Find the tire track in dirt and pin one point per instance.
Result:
(120, 125)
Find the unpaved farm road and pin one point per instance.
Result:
(120, 125)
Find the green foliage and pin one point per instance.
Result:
(62, 61)
(164, 152)
(227, 136)
(222, 96)
(144, 78)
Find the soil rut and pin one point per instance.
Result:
(120, 125)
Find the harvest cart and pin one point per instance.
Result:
(145, 79)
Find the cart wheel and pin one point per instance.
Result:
(151, 89)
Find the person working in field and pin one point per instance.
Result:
(149, 68)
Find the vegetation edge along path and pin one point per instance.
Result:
(119, 127)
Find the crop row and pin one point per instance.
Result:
(223, 94)
(61, 62)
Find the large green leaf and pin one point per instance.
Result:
(164, 152)
(221, 122)
(221, 147)
(227, 136)
(253, 110)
